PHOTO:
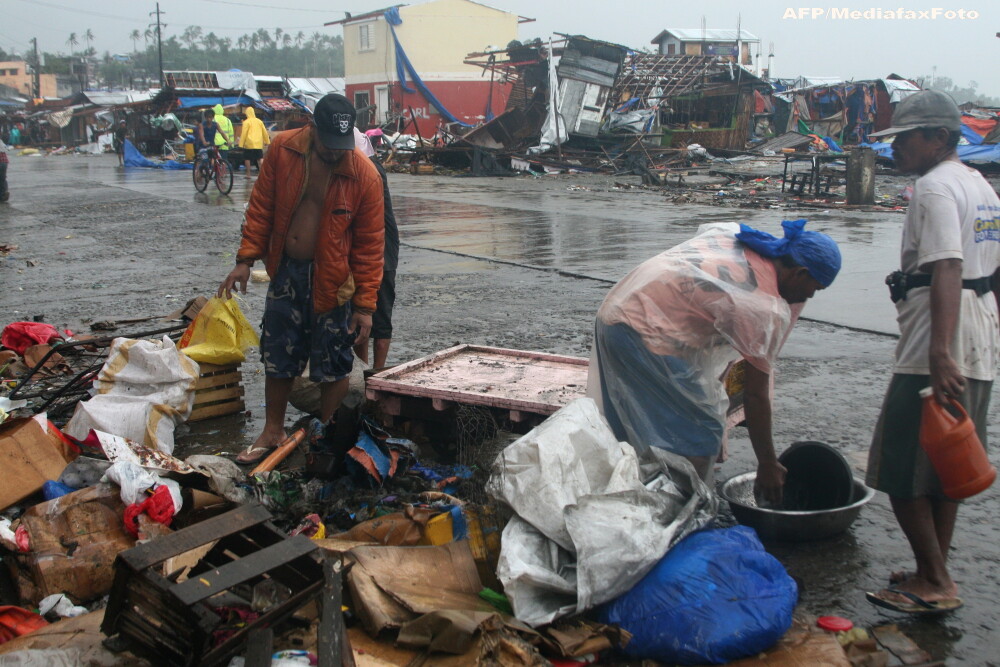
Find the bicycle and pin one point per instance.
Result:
(209, 166)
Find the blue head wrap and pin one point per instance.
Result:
(816, 251)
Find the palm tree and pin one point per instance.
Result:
(72, 42)
(148, 35)
(286, 40)
(210, 41)
(88, 37)
(299, 38)
(278, 32)
(135, 36)
(242, 42)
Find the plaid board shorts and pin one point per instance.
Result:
(291, 334)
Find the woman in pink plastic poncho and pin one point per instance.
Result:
(668, 333)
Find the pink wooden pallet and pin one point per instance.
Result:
(525, 383)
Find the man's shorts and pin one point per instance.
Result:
(897, 463)
(293, 335)
(253, 154)
(382, 318)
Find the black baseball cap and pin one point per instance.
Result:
(334, 116)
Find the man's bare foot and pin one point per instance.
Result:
(261, 447)
(923, 588)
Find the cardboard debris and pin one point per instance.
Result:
(580, 637)
(802, 646)
(399, 529)
(74, 541)
(30, 454)
(901, 646)
(81, 634)
(391, 586)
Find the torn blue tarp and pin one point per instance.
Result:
(133, 158)
(980, 153)
(971, 135)
(403, 65)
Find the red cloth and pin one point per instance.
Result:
(159, 507)
(15, 622)
(19, 336)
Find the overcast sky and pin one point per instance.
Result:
(818, 44)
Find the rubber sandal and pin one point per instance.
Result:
(253, 454)
(917, 605)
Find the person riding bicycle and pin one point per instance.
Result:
(205, 131)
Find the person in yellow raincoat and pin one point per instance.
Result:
(253, 138)
(222, 138)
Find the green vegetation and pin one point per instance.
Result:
(260, 52)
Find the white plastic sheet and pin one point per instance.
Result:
(592, 517)
(143, 391)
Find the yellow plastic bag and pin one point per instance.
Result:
(220, 334)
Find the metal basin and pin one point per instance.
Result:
(791, 526)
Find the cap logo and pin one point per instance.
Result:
(344, 121)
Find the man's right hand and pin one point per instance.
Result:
(770, 482)
(237, 277)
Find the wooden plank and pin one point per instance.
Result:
(217, 410)
(209, 381)
(210, 369)
(259, 648)
(157, 551)
(330, 637)
(208, 584)
(214, 395)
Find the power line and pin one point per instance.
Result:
(81, 11)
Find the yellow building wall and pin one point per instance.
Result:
(371, 64)
(21, 81)
(436, 35)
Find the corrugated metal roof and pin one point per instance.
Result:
(316, 85)
(107, 99)
(708, 35)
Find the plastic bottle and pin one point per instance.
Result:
(954, 449)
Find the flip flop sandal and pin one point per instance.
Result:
(253, 454)
(917, 605)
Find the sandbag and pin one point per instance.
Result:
(142, 392)
(220, 334)
(716, 596)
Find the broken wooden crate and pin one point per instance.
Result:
(175, 621)
(528, 385)
(218, 392)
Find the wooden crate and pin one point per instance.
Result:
(219, 392)
(173, 621)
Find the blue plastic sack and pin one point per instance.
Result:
(716, 596)
(52, 490)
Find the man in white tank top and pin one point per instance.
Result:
(946, 301)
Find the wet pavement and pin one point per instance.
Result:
(522, 263)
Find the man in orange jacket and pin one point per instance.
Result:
(316, 219)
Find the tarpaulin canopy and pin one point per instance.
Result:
(193, 102)
(970, 153)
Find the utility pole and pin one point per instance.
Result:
(37, 76)
(159, 41)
